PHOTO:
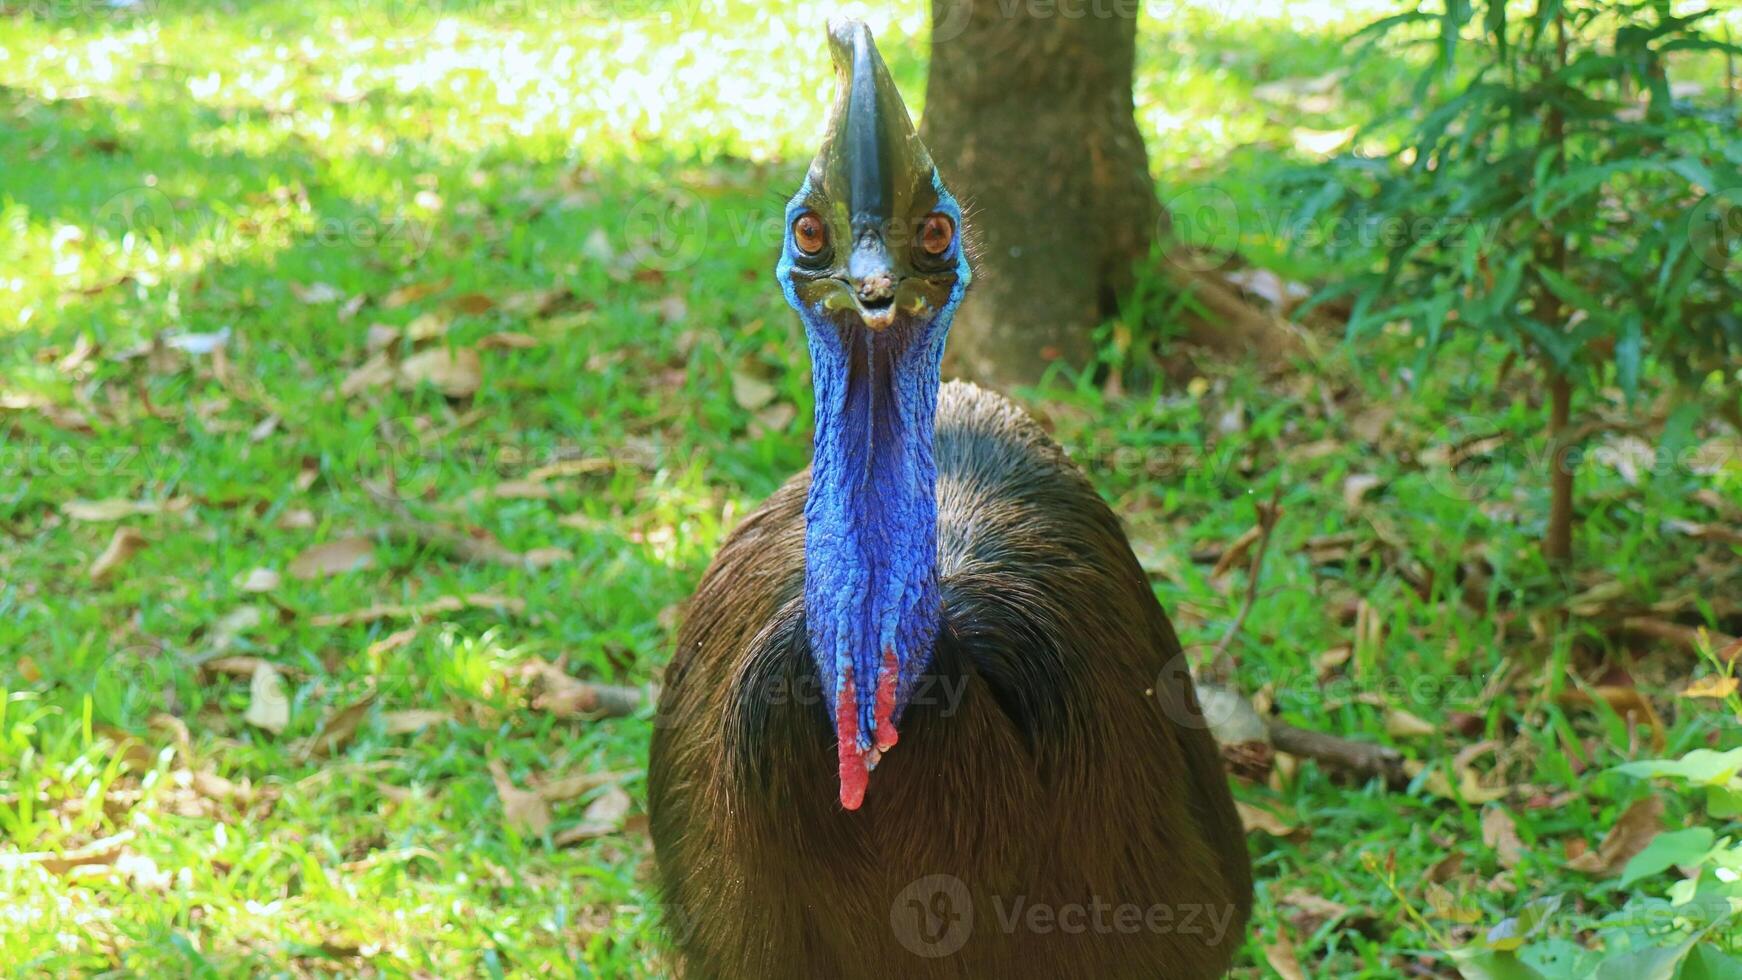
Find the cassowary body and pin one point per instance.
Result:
(944, 599)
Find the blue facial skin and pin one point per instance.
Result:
(871, 581)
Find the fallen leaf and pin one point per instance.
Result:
(1282, 958)
(405, 722)
(268, 703)
(1237, 551)
(114, 510)
(603, 816)
(1705, 532)
(1711, 686)
(380, 337)
(455, 372)
(125, 543)
(544, 557)
(521, 810)
(1358, 486)
(226, 631)
(241, 667)
(751, 392)
(571, 467)
(1260, 819)
(408, 294)
(391, 642)
(338, 729)
(104, 851)
(445, 604)
(1501, 834)
(507, 340)
(197, 343)
(565, 696)
(334, 558)
(429, 326)
(315, 293)
(473, 303)
(300, 519)
(259, 580)
(376, 372)
(1633, 830)
(28, 670)
(1402, 724)
(568, 787)
(1625, 701)
(1443, 869)
(1313, 910)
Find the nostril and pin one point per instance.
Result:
(877, 290)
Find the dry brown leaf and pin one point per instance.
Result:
(338, 729)
(376, 372)
(1358, 486)
(1282, 958)
(427, 327)
(1632, 831)
(571, 467)
(1313, 910)
(1443, 869)
(446, 604)
(473, 303)
(1625, 701)
(545, 557)
(298, 519)
(268, 702)
(405, 722)
(391, 642)
(28, 670)
(565, 696)
(455, 372)
(315, 293)
(259, 580)
(125, 543)
(1469, 787)
(507, 340)
(1501, 834)
(114, 509)
(1237, 551)
(1721, 533)
(1711, 686)
(241, 667)
(1402, 724)
(603, 816)
(215, 787)
(334, 558)
(568, 787)
(521, 810)
(408, 294)
(104, 851)
(751, 392)
(1260, 819)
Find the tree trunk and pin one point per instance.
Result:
(1029, 115)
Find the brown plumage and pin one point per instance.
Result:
(1055, 808)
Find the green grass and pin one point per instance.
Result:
(195, 168)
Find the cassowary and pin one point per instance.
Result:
(942, 599)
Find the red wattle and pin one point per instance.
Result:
(891, 673)
(854, 773)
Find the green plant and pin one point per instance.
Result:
(1555, 191)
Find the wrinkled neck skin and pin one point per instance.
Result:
(871, 581)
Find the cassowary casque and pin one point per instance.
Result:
(926, 718)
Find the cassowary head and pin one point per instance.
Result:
(873, 239)
(873, 262)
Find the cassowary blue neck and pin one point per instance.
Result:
(871, 583)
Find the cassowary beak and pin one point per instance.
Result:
(874, 165)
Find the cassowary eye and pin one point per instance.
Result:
(809, 233)
(937, 233)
